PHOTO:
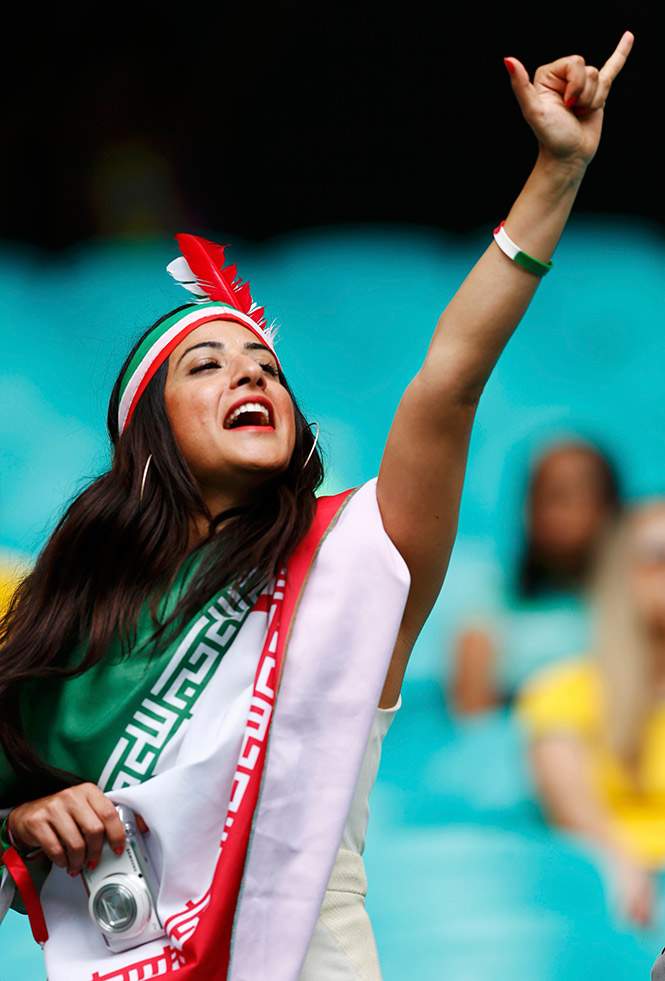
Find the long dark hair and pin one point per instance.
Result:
(112, 553)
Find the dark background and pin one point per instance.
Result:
(256, 120)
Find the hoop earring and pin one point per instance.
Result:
(145, 474)
(316, 439)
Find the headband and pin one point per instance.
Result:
(218, 295)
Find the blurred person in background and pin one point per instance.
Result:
(7, 586)
(542, 614)
(597, 724)
(12, 572)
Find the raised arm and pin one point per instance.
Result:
(422, 471)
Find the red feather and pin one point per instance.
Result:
(206, 260)
(231, 272)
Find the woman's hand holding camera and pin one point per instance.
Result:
(69, 826)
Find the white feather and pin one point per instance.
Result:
(271, 330)
(180, 270)
(183, 275)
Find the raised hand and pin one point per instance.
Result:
(564, 104)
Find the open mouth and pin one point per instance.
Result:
(248, 414)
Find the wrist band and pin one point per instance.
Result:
(514, 252)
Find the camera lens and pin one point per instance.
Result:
(114, 908)
(121, 906)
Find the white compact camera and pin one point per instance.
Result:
(122, 891)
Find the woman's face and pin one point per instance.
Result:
(231, 416)
(567, 507)
(647, 567)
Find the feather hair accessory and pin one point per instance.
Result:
(219, 295)
(201, 270)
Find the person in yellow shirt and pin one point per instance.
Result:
(597, 724)
(10, 576)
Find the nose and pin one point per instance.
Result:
(247, 371)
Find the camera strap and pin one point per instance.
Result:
(23, 882)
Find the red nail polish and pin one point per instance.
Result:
(571, 101)
(92, 865)
(119, 850)
(509, 65)
(73, 874)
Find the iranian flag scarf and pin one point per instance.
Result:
(245, 851)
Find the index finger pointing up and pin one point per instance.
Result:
(617, 59)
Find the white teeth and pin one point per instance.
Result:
(248, 407)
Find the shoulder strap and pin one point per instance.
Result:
(23, 881)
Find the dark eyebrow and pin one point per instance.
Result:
(249, 346)
(256, 346)
(216, 344)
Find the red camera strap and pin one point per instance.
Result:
(23, 881)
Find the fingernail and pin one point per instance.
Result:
(509, 65)
(92, 865)
(73, 874)
(119, 850)
(571, 101)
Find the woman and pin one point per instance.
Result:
(233, 504)
(572, 497)
(597, 724)
(11, 573)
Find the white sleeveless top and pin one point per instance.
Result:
(343, 946)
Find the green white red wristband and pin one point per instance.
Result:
(513, 251)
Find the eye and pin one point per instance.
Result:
(204, 367)
(269, 368)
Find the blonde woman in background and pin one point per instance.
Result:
(597, 724)
(12, 571)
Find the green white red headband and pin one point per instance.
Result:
(219, 296)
